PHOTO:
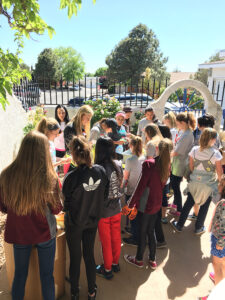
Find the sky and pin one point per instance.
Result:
(189, 31)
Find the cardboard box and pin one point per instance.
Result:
(33, 284)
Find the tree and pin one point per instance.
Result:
(23, 17)
(70, 62)
(47, 66)
(202, 75)
(24, 66)
(101, 72)
(215, 57)
(134, 54)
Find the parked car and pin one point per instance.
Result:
(76, 101)
(133, 97)
(74, 88)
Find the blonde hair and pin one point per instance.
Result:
(171, 117)
(46, 125)
(76, 120)
(207, 135)
(188, 118)
(80, 150)
(163, 161)
(136, 143)
(27, 184)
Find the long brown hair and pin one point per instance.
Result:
(207, 135)
(171, 117)
(163, 161)
(136, 143)
(76, 120)
(80, 150)
(27, 184)
(188, 118)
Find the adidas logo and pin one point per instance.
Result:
(91, 186)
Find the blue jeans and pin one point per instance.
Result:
(46, 256)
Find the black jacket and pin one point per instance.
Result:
(85, 190)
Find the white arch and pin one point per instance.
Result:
(210, 104)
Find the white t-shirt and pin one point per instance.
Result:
(59, 140)
(207, 154)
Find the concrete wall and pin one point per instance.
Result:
(12, 122)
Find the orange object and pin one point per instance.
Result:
(60, 220)
(133, 214)
(126, 210)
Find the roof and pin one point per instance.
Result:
(213, 64)
(175, 76)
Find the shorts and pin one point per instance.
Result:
(214, 251)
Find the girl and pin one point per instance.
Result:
(170, 120)
(183, 144)
(153, 137)
(217, 237)
(133, 166)
(62, 117)
(50, 127)
(147, 198)
(98, 130)
(30, 206)
(109, 227)
(150, 117)
(121, 129)
(85, 189)
(205, 163)
(79, 125)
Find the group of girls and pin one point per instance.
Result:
(93, 188)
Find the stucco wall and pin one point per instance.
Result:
(12, 121)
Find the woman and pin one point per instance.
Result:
(79, 124)
(62, 117)
(186, 123)
(205, 164)
(85, 190)
(109, 227)
(147, 199)
(30, 206)
(133, 167)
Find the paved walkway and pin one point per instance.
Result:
(182, 273)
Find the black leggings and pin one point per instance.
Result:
(146, 226)
(158, 228)
(175, 183)
(74, 236)
(201, 215)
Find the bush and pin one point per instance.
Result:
(34, 116)
(104, 108)
(138, 115)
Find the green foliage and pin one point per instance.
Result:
(202, 75)
(24, 66)
(215, 57)
(70, 63)
(134, 54)
(23, 17)
(10, 73)
(34, 117)
(101, 72)
(47, 65)
(104, 108)
(195, 98)
(138, 116)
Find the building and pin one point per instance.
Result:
(216, 78)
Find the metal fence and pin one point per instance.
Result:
(49, 92)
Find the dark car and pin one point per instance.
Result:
(76, 101)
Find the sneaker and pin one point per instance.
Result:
(127, 230)
(116, 268)
(200, 230)
(152, 264)
(192, 217)
(100, 270)
(132, 260)
(212, 276)
(164, 220)
(174, 213)
(130, 241)
(175, 226)
(160, 245)
(94, 296)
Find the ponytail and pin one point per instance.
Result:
(188, 118)
(163, 162)
(136, 143)
(80, 151)
(47, 125)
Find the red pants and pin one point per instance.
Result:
(110, 235)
